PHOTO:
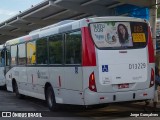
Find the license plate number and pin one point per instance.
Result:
(121, 86)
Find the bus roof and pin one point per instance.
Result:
(53, 25)
(65, 25)
(117, 18)
(21, 39)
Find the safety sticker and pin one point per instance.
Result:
(104, 68)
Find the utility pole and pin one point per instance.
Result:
(153, 19)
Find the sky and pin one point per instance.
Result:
(10, 8)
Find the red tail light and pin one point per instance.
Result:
(92, 83)
(150, 47)
(152, 78)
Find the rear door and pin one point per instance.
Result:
(121, 55)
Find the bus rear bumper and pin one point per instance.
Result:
(92, 98)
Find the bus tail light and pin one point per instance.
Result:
(92, 83)
(150, 47)
(152, 78)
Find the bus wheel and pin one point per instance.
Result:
(50, 99)
(18, 95)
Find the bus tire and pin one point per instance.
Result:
(50, 99)
(18, 95)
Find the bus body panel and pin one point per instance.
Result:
(67, 84)
(67, 96)
(92, 98)
(2, 77)
(36, 77)
(42, 78)
(73, 78)
(66, 77)
(20, 76)
(107, 93)
(130, 67)
(9, 81)
(32, 78)
(26, 85)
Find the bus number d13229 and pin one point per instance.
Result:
(137, 66)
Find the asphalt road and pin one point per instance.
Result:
(26, 107)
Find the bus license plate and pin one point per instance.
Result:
(121, 86)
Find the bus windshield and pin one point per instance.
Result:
(119, 35)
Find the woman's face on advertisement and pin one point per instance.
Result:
(122, 29)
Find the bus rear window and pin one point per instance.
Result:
(119, 35)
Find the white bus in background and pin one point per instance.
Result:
(84, 62)
(2, 63)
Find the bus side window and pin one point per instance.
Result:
(22, 54)
(7, 57)
(42, 51)
(14, 55)
(55, 49)
(31, 53)
(73, 48)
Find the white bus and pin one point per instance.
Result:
(84, 62)
(2, 64)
